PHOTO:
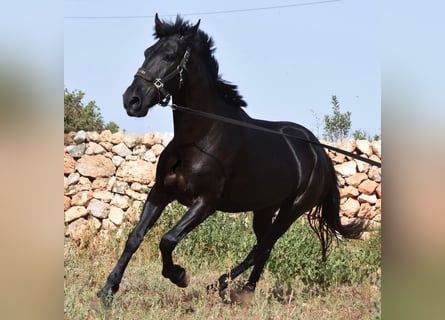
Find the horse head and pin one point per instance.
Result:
(161, 74)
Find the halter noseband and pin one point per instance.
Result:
(164, 95)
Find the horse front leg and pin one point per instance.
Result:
(153, 206)
(197, 213)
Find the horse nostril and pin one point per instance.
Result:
(134, 102)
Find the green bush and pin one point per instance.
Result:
(297, 255)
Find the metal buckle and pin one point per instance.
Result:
(158, 83)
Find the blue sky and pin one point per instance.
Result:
(285, 61)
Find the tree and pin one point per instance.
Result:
(360, 134)
(78, 116)
(336, 126)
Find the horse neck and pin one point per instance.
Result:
(201, 95)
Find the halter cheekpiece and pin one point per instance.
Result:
(164, 95)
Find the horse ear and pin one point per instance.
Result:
(196, 27)
(158, 22)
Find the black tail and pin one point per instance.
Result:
(324, 219)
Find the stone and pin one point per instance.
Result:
(378, 204)
(339, 158)
(157, 137)
(106, 135)
(73, 178)
(364, 147)
(377, 148)
(367, 186)
(166, 138)
(100, 183)
(348, 192)
(78, 229)
(71, 190)
(148, 139)
(94, 148)
(134, 211)
(76, 150)
(93, 136)
(375, 158)
(84, 181)
(96, 223)
(136, 195)
(66, 203)
(131, 140)
(348, 144)
(139, 150)
(103, 195)
(116, 215)
(136, 186)
(74, 213)
(356, 179)
(117, 137)
(136, 171)
(378, 216)
(374, 173)
(81, 198)
(95, 166)
(120, 201)
(372, 199)
(365, 209)
(107, 145)
(361, 165)
(68, 138)
(108, 225)
(69, 164)
(117, 160)
(378, 190)
(121, 149)
(346, 169)
(120, 187)
(131, 158)
(111, 183)
(98, 208)
(340, 180)
(350, 208)
(157, 149)
(80, 137)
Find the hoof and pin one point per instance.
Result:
(184, 282)
(106, 296)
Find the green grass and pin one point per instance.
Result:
(294, 285)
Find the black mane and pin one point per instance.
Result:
(204, 45)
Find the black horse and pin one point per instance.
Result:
(211, 165)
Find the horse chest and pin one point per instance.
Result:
(187, 178)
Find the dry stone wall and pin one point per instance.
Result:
(107, 177)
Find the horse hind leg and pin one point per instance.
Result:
(262, 221)
(261, 251)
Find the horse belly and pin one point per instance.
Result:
(258, 191)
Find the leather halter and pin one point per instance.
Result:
(164, 95)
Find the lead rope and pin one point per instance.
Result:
(259, 128)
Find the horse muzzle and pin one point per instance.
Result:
(137, 104)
